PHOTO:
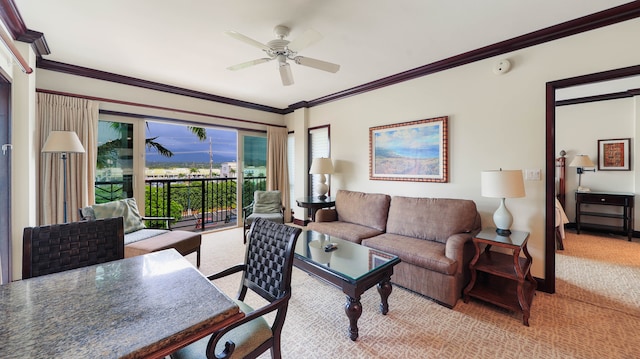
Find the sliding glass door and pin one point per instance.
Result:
(116, 166)
(254, 166)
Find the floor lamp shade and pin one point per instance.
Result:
(321, 166)
(63, 142)
(502, 184)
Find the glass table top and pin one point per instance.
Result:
(349, 260)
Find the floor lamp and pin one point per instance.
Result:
(63, 142)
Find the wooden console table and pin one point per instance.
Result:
(623, 200)
(502, 279)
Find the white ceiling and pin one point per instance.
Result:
(182, 43)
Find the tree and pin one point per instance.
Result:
(108, 151)
(151, 143)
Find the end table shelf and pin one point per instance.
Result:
(502, 279)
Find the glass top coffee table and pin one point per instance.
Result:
(351, 267)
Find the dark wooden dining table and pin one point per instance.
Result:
(141, 307)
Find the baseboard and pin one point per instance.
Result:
(300, 222)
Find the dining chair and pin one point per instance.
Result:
(59, 247)
(265, 204)
(267, 272)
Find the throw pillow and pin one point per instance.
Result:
(87, 213)
(267, 202)
(125, 208)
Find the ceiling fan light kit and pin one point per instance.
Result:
(283, 50)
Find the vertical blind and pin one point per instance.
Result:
(319, 146)
(291, 158)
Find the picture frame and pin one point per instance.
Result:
(614, 154)
(416, 151)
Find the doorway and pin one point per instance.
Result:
(551, 153)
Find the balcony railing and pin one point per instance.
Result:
(196, 204)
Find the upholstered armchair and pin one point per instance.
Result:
(267, 205)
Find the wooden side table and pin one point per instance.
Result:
(624, 216)
(313, 203)
(502, 279)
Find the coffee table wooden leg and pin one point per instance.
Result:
(384, 288)
(353, 308)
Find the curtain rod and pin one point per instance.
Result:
(154, 107)
(22, 63)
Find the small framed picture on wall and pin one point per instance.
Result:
(614, 154)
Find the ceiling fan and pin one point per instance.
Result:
(283, 50)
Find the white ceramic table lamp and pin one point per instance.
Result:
(502, 184)
(321, 166)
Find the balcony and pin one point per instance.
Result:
(197, 204)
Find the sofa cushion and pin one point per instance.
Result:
(142, 234)
(366, 209)
(344, 230)
(125, 208)
(184, 242)
(421, 253)
(431, 218)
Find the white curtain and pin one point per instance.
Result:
(62, 113)
(277, 168)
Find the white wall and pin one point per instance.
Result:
(578, 129)
(494, 121)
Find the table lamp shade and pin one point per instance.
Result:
(502, 184)
(321, 165)
(63, 141)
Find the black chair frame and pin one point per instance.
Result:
(59, 247)
(274, 286)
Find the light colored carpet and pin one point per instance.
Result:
(600, 269)
(569, 324)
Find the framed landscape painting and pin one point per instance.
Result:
(614, 155)
(410, 151)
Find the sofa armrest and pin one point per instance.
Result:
(326, 215)
(455, 248)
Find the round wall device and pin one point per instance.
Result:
(502, 67)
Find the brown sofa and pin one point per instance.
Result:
(432, 237)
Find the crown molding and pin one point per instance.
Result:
(11, 17)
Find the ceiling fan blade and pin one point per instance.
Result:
(285, 74)
(308, 38)
(317, 64)
(248, 63)
(247, 40)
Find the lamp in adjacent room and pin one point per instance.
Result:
(321, 166)
(582, 161)
(502, 184)
(63, 142)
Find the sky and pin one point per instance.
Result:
(186, 146)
